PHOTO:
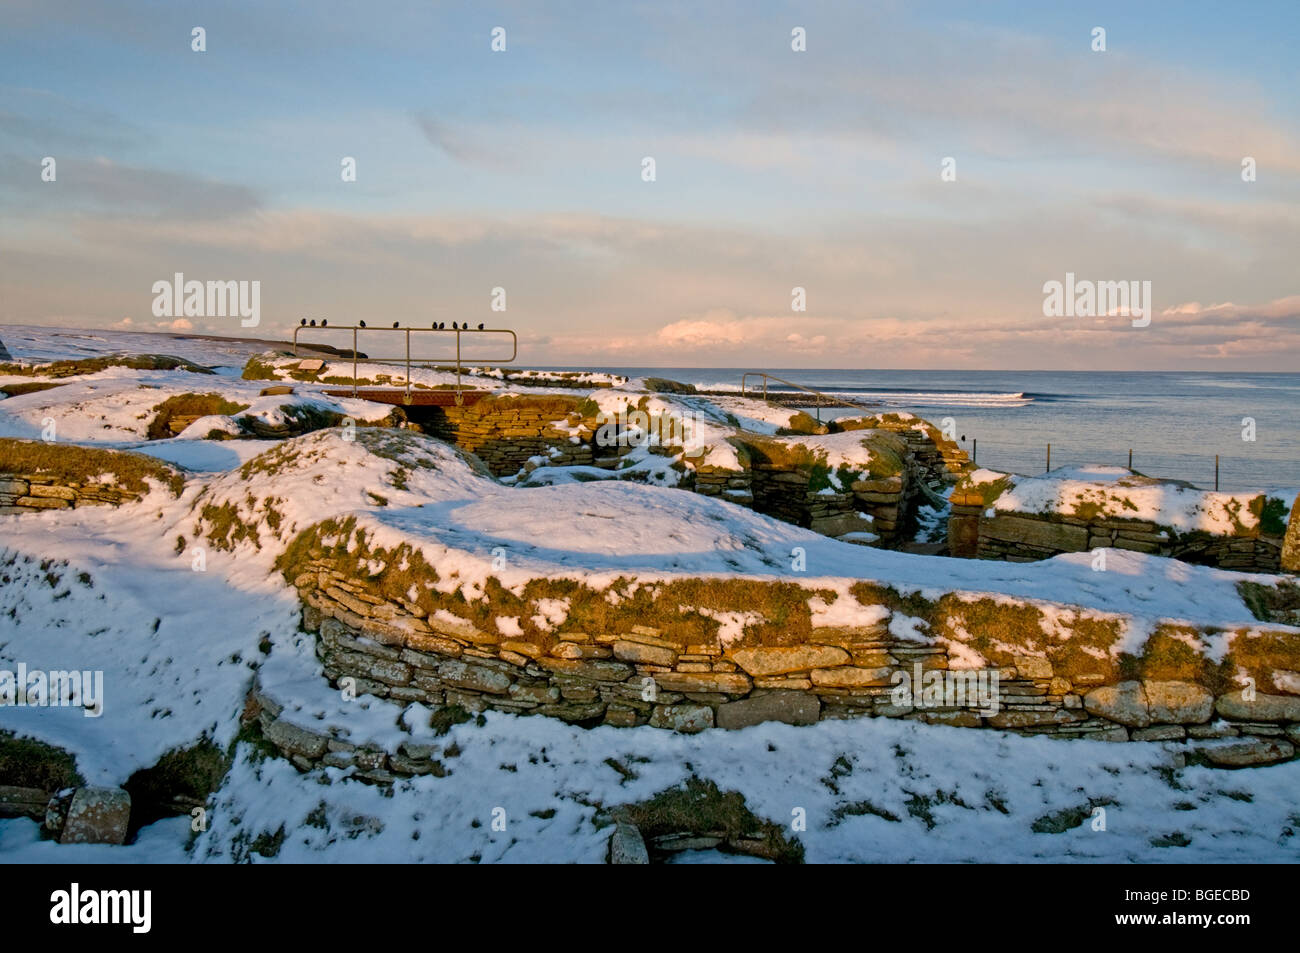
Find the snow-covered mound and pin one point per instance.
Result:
(329, 473)
(1118, 493)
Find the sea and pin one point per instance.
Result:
(1174, 422)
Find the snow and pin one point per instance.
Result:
(901, 792)
(982, 475)
(204, 456)
(180, 632)
(1119, 493)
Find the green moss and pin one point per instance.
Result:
(69, 463)
(699, 808)
(188, 405)
(447, 717)
(661, 385)
(28, 763)
(1279, 602)
(1272, 515)
(986, 492)
(28, 387)
(226, 527)
(93, 365)
(257, 369)
(182, 778)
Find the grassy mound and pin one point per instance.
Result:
(27, 763)
(68, 463)
(190, 406)
(28, 387)
(698, 809)
(93, 365)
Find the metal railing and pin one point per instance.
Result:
(831, 400)
(407, 361)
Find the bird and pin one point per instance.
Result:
(302, 323)
(480, 325)
(323, 322)
(313, 322)
(396, 323)
(363, 324)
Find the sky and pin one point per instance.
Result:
(774, 169)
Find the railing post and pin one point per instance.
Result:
(354, 361)
(408, 365)
(1216, 473)
(1049, 459)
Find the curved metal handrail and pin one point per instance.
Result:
(821, 395)
(406, 360)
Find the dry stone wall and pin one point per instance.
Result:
(514, 433)
(975, 531)
(393, 649)
(25, 492)
(507, 432)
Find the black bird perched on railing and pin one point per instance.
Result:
(396, 323)
(302, 323)
(323, 322)
(313, 322)
(480, 325)
(362, 323)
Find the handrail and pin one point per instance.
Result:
(406, 360)
(832, 401)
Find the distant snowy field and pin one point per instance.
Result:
(179, 649)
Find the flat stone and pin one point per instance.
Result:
(781, 660)
(627, 846)
(22, 802)
(1178, 703)
(581, 650)
(1248, 751)
(97, 816)
(729, 683)
(684, 718)
(1159, 733)
(472, 677)
(52, 492)
(640, 653)
(1033, 719)
(1061, 537)
(1029, 666)
(289, 737)
(1262, 708)
(792, 708)
(850, 676)
(436, 644)
(541, 694)
(43, 503)
(595, 669)
(1125, 703)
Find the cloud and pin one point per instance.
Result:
(137, 192)
(714, 330)
(481, 146)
